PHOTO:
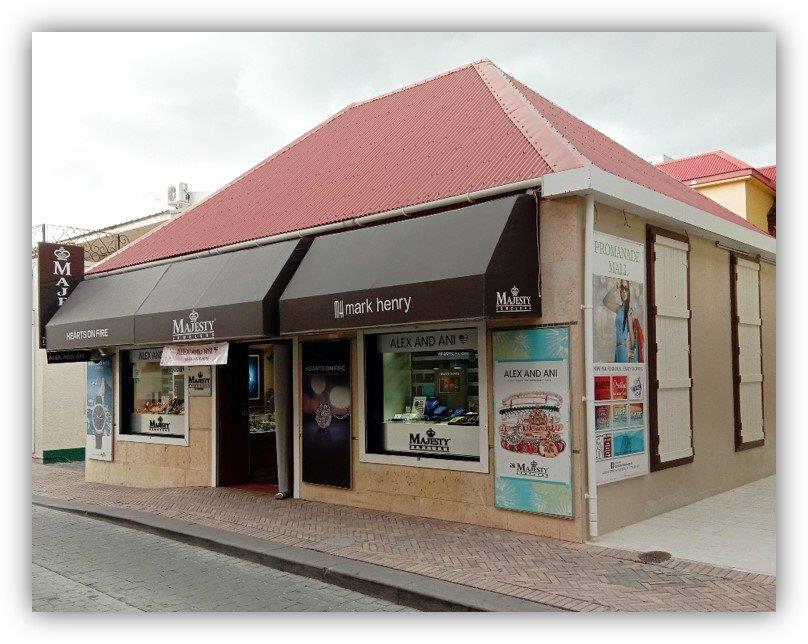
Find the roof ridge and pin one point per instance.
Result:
(560, 156)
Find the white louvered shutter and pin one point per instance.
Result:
(749, 388)
(672, 323)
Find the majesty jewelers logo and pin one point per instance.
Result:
(371, 305)
(428, 443)
(533, 470)
(159, 426)
(193, 328)
(61, 266)
(513, 302)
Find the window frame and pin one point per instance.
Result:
(656, 464)
(481, 466)
(740, 445)
(121, 417)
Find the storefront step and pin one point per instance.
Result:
(397, 586)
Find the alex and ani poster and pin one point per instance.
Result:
(619, 322)
(532, 442)
(326, 400)
(98, 443)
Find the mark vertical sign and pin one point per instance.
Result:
(60, 268)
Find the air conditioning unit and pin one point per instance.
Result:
(178, 195)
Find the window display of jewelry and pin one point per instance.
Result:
(261, 421)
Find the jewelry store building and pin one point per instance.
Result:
(497, 317)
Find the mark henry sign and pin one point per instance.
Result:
(60, 268)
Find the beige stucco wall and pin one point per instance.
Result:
(156, 465)
(466, 496)
(716, 466)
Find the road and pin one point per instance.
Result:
(87, 565)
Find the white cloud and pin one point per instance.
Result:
(119, 115)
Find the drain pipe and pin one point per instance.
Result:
(589, 370)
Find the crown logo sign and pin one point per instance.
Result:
(430, 432)
(514, 291)
(61, 253)
(159, 419)
(193, 316)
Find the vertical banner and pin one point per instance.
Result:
(533, 440)
(60, 268)
(619, 345)
(98, 444)
(326, 413)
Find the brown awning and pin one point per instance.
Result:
(473, 262)
(101, 311)
(229, 296)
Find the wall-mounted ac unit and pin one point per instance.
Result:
(178, 195)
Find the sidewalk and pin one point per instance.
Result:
(735, 529)
(578, 577)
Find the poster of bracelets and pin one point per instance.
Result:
(619, 346)
(533, 439)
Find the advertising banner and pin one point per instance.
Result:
(60, 268)
(98, 443)
(619, 322)
(194, 354)
(532, 438)
(326, 413)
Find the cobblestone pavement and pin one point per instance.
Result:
(87, 565)
(582, 577)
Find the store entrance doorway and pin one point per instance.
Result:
(249, 407)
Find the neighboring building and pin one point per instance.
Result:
(736, 185)
(58, 391)
(455, 300)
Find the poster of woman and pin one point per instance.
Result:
(619, 313)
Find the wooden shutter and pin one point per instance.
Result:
(747, 352)
(669, 359)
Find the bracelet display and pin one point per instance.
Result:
(531, 424)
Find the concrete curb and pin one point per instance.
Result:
(396, 586)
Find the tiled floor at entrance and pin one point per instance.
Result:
(736, 529)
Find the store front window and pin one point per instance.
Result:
(154, 402)
(423, 394)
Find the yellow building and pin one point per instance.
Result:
(746, 191)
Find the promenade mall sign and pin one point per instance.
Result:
(60, 268)
(619, 319)
(194, 355)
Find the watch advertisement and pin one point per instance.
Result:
(98, 444)
(532, 437)
(326, 413)
(619, 346)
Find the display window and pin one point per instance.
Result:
(422, 394)
(154, 402)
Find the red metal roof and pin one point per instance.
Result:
(713, 166)
(770, 172)
(446, 136)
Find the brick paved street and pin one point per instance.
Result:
(582, 577)
(82, 564)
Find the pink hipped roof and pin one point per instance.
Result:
(466, 130)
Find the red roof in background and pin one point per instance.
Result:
(712, 166)
(770, 172)
(465, 130)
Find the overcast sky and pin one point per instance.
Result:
(118, 116)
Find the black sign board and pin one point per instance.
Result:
(57, 357)
(60, 268)
(326, 402)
